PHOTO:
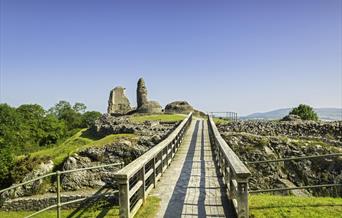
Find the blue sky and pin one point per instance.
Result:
(243, 56)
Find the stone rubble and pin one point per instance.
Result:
(264, 140)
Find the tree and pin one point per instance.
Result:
(10, 127)
(89, 117)
(9, 138)
(72, 118)
(6, 164)
(60, 108)
(31, 119)
(305, 112)
(79, 107)
(54, 130)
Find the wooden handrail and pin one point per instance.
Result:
(233, 170)
(138, 178)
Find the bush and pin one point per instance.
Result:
(305, 112)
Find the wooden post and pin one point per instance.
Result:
(58, 194)
(124, 198)
(242, 198)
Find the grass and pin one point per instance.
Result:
(99, 209)
(150, 208)
(310, 142)
(158, 117)
(220, 121)
(76, 143)
(292, 206)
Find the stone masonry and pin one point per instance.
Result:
(118, 103)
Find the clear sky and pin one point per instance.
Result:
(243, 56)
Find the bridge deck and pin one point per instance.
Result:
(191, 186)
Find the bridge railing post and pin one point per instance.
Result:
(242, 197)
(124, 198)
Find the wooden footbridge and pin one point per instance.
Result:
(194, 173)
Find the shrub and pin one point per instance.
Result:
(305, 112)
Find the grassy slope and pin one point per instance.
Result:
(158, 117)
(76, 143)
(291, 206)
(220, 121)
(149, 210)
(80, 142)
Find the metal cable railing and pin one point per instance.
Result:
(58, 192)
(294, 159)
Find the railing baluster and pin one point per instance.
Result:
(58, 173)
(144, 184)
(154, 172)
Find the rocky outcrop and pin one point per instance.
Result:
(123, 151)
(265, 140)
(143, 104)
(146, 135)
(107, 125)
(300, 173)
(33, 187)
(180, 107)
(330, 131)
(118, 103)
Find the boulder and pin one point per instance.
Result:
(150, 107)
(181, 107)
(118, 103)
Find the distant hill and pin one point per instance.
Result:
(323, 113)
